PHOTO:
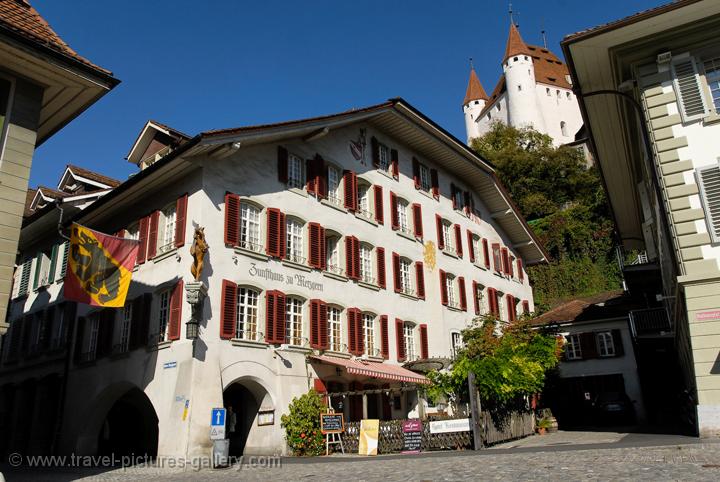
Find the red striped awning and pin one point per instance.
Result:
(384, 371)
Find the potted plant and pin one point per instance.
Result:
(543, 425)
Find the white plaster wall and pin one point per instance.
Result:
(484, 123)
(556, 109)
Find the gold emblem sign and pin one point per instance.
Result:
(429, 255)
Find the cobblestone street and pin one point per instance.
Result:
(569, 456)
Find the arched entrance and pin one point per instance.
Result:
(130, 427)
(245, 398)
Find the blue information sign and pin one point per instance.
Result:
(217, 418)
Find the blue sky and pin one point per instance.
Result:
(198, 65)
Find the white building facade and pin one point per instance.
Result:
(340, 248)
(534, 90)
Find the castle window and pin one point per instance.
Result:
(368, 321)
(250, 227)
(519, 87)
(547, 91)
(477, 102)
(333, 186)
(563, 128)
(294, 321)
(498, 107)
(409, 338)
(515, 59)
(247, 313)
(567, 94)
(334, 328)
(166, 233)
(294, 239)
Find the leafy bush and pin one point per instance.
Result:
(302, 424)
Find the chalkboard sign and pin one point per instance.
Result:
(412, 436)
(331, 423)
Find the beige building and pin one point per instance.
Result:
(649, 91)
(44, 84)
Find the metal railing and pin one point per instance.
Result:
(119, 348)
(366, 278)
(331, 268)
(335, 200)
(249, 335)
(651, 321)
(367, 214)
(295, 258)
(253, 246)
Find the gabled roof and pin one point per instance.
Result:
(515, 44)
(20, 17)
(396, 117)
(604, 305)
(92, 176)
(146, 135)
(475, 89)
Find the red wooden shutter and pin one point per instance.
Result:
(356, 257)
(153, 234)
(350, 186)
(526, 307)
(486, 253)
(399, 340)
(396, 273)
(471, 246)
(497, 261)
(310, 180)
(320, 176)
(275, 317)
(379, 213)
(453, 191)
(352, 257)
(180, 217)
(476, 298)
(458, 240)
(463, 293)
(316, 233)
(394, 163)
(435, 183)
(275, 245)
(467, 198)
(512, 314)
(493, 301)
(423, 342)
(505, 261)
(314, 320)
(352, 334)
(420, 279)
(176, 300)
(375, 149)
(323, 326)
(232, 219)
(440, 237)
(417, 220)
(282, 165)
(521, 275)
(384, 337)
(394, 222)
(143, 238)
(380, 252)
(443, 288)
(228, 309)
(416, 172)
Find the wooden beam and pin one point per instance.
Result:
(316, 134)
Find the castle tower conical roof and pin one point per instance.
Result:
(475, 89)
(515, 44)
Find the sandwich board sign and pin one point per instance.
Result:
(217, 424)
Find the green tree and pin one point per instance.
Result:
(565, 205)
(507, 364)
(302, 424)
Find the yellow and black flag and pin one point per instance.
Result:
(99, 267)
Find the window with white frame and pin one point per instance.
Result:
(247, 313)
(482, 299)
(573, 351)
(363, 193)
(405, 278)
(458, 199)
(425, 178)
(294, 321)
(250, 227)
(296, 172)
(369, 333)
(712, 77)
(163, 314)
(383, 157)
(333, 187)
(448, 237)
(125, 324)
(332, 254)
(456, 342)
(366, 263)
(402, 216)
(166, 232)
(606, 346)
(294, 235)
(450, 287)
(334, 329)
(409, 336)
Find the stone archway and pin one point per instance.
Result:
(245, 398)
(130, 427)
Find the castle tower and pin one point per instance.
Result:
(475, 99)
(523, 108)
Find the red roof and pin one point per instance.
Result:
(94, 176)
(570, 310)
(475, 89)
(370, 369)
(20, 17)
(515, 44)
